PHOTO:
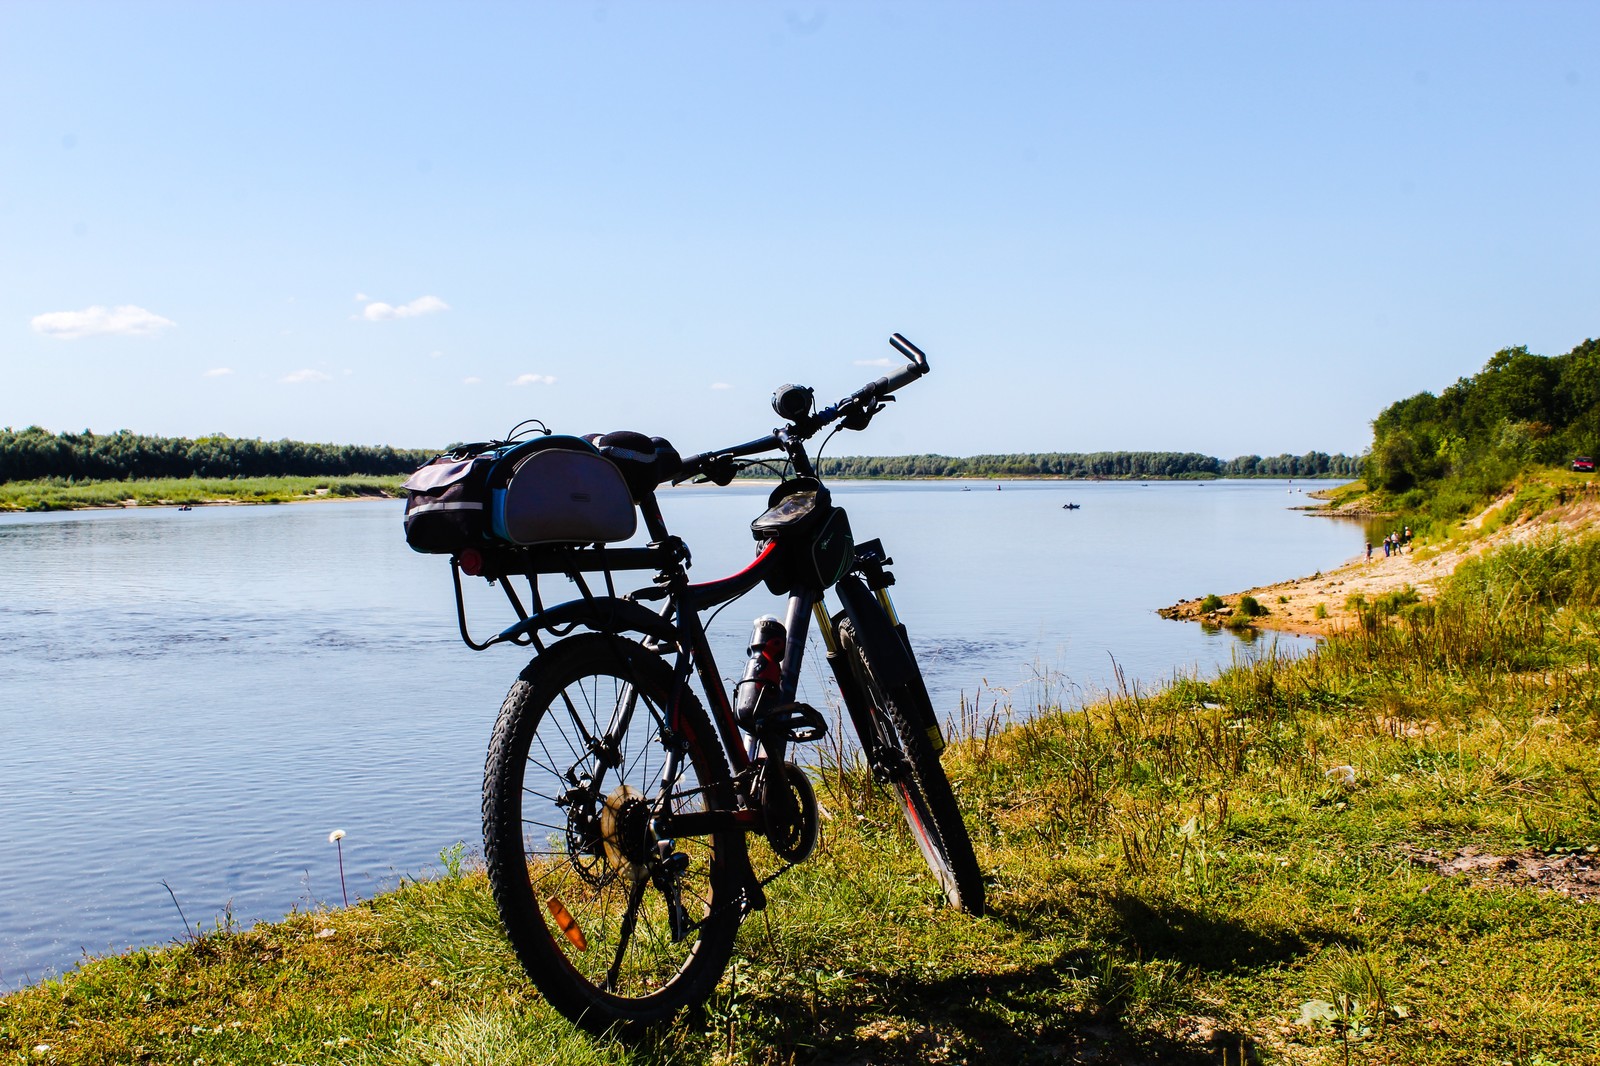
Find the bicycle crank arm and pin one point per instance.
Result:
(705, 823)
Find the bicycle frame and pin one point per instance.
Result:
(677, 625)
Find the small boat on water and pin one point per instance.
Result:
(1069, 507)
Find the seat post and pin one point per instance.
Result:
(653, 522)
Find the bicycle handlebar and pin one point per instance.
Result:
(857, 409)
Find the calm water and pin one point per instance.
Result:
(201, 697)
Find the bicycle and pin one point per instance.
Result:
(617, 813)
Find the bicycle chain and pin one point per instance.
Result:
(741, 899)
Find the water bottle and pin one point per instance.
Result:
(762, 672)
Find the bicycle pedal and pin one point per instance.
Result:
(797, 723)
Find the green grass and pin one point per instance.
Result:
(59, 494)
(1436, 512)
(1245, 866)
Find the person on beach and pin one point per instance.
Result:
(1386, 547)
(1369, 551)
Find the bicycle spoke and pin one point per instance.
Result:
(630, 918)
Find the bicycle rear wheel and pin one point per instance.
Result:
(613, 923)
(917, 779)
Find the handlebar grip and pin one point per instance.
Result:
(754, 447)
(695, 465)
(690, 467)
(901, 378)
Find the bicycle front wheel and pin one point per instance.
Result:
(917, 779)
(614, 923)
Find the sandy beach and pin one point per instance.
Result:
(1292, 605)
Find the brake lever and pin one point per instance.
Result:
(859, 417)
(720, 471)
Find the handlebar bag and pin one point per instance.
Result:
(559, 489)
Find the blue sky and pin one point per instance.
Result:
(1221, 227)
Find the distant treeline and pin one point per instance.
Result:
(1477, 434)
(1097, 465)
(34, 454)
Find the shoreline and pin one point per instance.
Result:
(131, 503)
(1292, 605)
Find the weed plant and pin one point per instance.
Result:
(1245, 868)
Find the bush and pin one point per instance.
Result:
(1390, 603)
(1548, 572)
(1213, 602)
(1250, 607)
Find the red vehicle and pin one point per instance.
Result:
(1583, 464)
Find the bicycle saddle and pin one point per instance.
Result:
(645, 462)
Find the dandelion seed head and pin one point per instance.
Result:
(336, 836)
(1344, 776)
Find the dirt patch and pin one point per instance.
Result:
(1574, 874)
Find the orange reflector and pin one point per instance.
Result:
(568, 924)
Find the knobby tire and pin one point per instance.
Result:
(603, 921)
(919, 784)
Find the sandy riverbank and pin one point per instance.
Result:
(1292, 605)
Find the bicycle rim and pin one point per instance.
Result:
(610, 920)
(919, 785)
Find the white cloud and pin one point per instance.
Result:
(361, 297)
(875, 362)
(719, 385)
(219, 372)
(534, 379)
(472, 381)
(378, 311)
(305, 377)
(126, 321)
(435, 355)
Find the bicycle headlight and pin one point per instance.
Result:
(793, 402)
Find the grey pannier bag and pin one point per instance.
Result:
(559, 489)
(549, 490)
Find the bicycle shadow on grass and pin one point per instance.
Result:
(1165, 929)
(1080, 1006)
(1209, 942)
(1017, 1017)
